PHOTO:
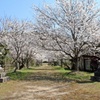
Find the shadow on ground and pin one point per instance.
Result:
(46, 76)
(87, 81)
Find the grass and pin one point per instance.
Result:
(20, 74)
(78, 76)
(61, 69)
(66, 74)
(74, 75)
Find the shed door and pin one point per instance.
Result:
(87, 64)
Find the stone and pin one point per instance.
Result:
(1, 69)
(2, 74)
(3, 77)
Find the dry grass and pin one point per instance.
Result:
(49, 85)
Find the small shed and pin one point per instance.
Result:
(88, 63)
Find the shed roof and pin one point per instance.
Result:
(90, 56)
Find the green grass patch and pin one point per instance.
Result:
(61, 69)
(58, 68)
(78, 75)
(74, 75)
(67, 74)
(21, 74)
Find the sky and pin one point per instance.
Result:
(22, 9)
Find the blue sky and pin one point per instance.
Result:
(21, 9)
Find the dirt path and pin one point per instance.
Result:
(46, 84)
(44, 90)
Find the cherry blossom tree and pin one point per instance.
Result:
(17, 36)
(69, 27)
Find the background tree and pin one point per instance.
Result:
(18, 38)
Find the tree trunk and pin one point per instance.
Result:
(21, 64)
(27, 63)
(75, 66)
(16, 67)
(61, 62)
